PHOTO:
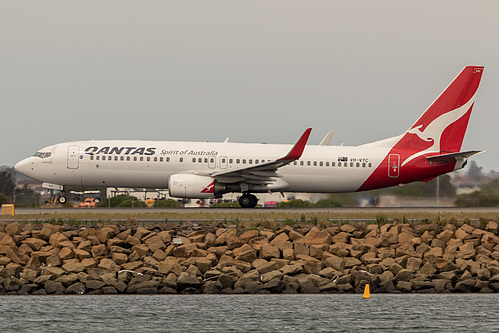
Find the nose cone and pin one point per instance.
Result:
(23, 167)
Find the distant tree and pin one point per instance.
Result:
(167, 203)
(7, 182)
(294, 203)
(474, 171)
(233, 204)
(491, 188)
(477, 199)
(330, 201)
(488, 196)
(123, 200)
(27, 196)
(3, 199)
(424, 189)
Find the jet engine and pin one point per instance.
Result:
(194, 186)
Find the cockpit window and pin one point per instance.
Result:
(42, 154)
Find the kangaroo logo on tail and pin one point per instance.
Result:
(433, 132)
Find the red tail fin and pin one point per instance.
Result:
(443, 125)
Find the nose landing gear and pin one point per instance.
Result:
(248, 200)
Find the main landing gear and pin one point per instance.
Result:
(248, 200)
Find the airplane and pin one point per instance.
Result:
(200, 170)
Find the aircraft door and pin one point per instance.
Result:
(393, 165)
(212, 162)
(73, 162)
(223, 162)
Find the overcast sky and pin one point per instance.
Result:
(254, 71)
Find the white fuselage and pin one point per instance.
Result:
(151, 163)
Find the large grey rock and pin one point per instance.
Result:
(271, 276)
(52, 287)
(404, 275)
(188, 281)
(404, 286)
(212, 287)
(145, 287)
(307, 286)
(76, 288)
(227, 280)
(464, 286)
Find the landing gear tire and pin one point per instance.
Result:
(62, 200)
(248, 201)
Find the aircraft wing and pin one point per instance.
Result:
(263, 173)
(447, 158)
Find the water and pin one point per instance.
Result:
(251, 313)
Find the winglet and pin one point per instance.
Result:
(327, 139)
(297, 150)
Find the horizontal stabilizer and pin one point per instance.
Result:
(452, 157)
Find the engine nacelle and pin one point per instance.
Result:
(184, 185)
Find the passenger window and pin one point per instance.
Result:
(91, 157)
(308, 163)
(122, 158)
(370, 165)
(141, 158)
(295, 162)
(200, 160)
(339, 164)
(363, 165)
(230, 160)
(194, 160)
(161, 159)
(333, 164)
(357, 164)
(97, 157)
(148, 159)
(315, 163)
(205, 160)
(345, 164)
(135, 158)
(244, 161)
(181, 159)
(256, 161)
(327, 163)
(167, 159)
(116, 158)
(250, 161)
(223, 160)
(128, 158)
(302, 163)
(320, 163)
(155, 159)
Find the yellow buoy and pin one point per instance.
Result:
(367, 294)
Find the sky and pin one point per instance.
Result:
(253, 71)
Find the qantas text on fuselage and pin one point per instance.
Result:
(429, 148)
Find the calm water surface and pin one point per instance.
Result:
(255, 313)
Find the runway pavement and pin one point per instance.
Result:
(233, 215)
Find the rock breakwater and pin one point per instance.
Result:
(114, 259)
